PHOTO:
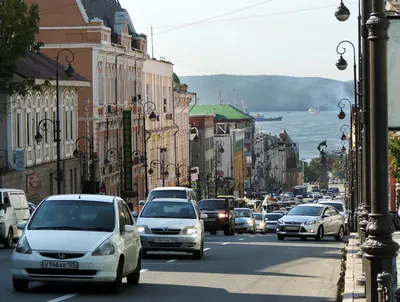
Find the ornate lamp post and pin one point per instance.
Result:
(342, 13)
(178, 173)
(69, 72)
(115, 153)
(154, 163)
(218, 149)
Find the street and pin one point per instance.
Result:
(239, 268)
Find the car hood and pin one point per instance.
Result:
(66, 241)
(272, 221)
(298, 218)
(241, 219)
(172, 223)
(258, 222)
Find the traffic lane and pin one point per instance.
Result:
(38, 292)
(258, 268)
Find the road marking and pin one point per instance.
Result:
(172, 260)
(143, 270)
(251, 236)
(225, 243)
(206, 249)
(241, 239)
(62, 298)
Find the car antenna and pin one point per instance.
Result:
(79, 197)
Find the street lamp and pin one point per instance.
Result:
(154, 163)
(178, 173)
(115, 153)
(343, 129)
(147, 107)
(341, 115)
(92, 156)
(138, 157)
(218, 149)
(196, 137)
(342, 13)
(69, 72)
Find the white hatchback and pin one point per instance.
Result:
(78, 238)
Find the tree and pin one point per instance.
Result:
(311, 171)
(394, 154)
(18, 28)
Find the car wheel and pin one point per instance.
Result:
(115, 286)
(20, 285)
(232, 231)
(134, 277)
(340, 234)
(8, 243)
(320, 234)
(227, 231)
(199, 254)
(281, 237)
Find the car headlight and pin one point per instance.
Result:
(144, 229)
(310, 222)
(106, 248)
(23, 246)
(222, 215)
(190, 230)
(249, 221)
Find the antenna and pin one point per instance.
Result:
(152, 43)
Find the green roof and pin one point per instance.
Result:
(223, 112)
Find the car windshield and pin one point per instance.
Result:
(181, 194)
(257, 216)
(213, 204)
(306, 211)
(273, 216)
(74, 216)
(242, 213)
(338, 206)
(168, 209)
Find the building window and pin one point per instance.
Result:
(18, 127)
(46, 137)
(165, 105)
(28, 129)
(147, 92)
(71, 124)
(247, 135)
(66, 126)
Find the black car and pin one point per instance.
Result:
(221, 216)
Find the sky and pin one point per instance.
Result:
(252, 37)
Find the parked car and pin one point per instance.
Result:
(173, 192)
(311, 220)
(171, 224)
(220, 216)
(261, 226)
(14, 209)
(244, 221)
(78, 238)
(341, 207)
(271, 220)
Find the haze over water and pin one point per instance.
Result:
(307, 129)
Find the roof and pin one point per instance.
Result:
(171, 200)
(81, 197)
(107, 10)
(40, 66)
(170, 189)
(223, 112)
(176, 78)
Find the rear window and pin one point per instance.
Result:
(181, 194)
(213, 204)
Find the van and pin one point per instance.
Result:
(14, 209)
(173, 192)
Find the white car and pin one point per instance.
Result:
(78, 238)
(172, 224)
(341, 207)
(311, 220)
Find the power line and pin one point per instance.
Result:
(209, 20)
(215, 17)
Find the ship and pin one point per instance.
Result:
(261, 118)
(313, 110)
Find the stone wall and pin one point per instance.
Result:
(39, 181)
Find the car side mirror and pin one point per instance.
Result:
(134, 214)
(203, 216)
(325, 216)
(129, 228)
(21, 225)
(142, 202)
(348, 212)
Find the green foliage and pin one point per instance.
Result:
(311, 171)
(18, 28)
(339, 168)
(394, 154)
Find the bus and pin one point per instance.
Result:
(300, 190)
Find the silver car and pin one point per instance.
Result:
(261, 226)
(171, 224)
(311, 220)
(244, 221)
(341, 207)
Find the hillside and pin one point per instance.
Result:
(268, 92)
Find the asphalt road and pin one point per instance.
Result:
(240, 268)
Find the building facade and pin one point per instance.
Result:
(110, 53)
(25, 162)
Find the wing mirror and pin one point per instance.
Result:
(129, 228)
(142, 202)
(325, 216)
(134, 214)
(21, 225)
(203, 216)
(348, 212)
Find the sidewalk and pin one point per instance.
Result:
(353, 291)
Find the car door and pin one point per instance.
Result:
(337, 220)
(327, 221)
(134, 246)
(125, 239)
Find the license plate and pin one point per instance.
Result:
(210, 219)
(60, 264)
(292, 228)
(164, 240)
(271, 226)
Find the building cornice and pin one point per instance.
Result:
(71, 83)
